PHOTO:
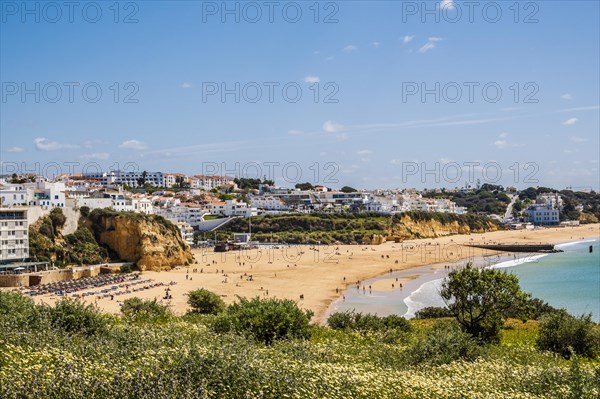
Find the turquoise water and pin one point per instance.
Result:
(569, 280)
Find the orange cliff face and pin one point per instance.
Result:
(408, 228)
(152, 243)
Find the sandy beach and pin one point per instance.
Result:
(321, 274)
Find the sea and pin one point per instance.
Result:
(568, 279)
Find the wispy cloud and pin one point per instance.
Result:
(431, 42)
(186, 85)
(502, 143)
(133, 145)
(350, 48)
(44, 144)
(570, 121)
(567, 96)
(295, 132)
(96, 156)
(15, 149)
(576, 139)
(342, 137)
(312, 79)
(332, 127)
(408, 38)
(376, 44)
(364, 152)
(589, 108)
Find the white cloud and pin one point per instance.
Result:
(376, 44)
(569, 151)
(349, 48)
(567, 96)
(332, 127)
(330, 58)
(430, 44)
(364, 152)
(133, 145)
(186, 85)
(341, 137)
(503, 143)
(312, 79)
(578, 139)
(408, 38)
(446, 3)
(15, 149)
(44, 144)
(570, 121)
(295, 132)
(426, 47)
(590, 108)
(98, 156)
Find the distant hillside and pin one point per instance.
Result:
(488, 198)
(360, 228)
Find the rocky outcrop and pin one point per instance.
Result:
(152, 242)
(408, 227)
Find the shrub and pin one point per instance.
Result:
(444, 343)
(58, 218)
(74, 316)
(126, 268)
(17, 311)
(351, 320)
(205, 302)
(266, 320)
(566, 335)
(433, 312)
(137, 309)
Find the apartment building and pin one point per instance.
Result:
(14, 235)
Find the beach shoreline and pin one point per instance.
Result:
(321, 275)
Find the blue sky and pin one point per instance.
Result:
(543, 129)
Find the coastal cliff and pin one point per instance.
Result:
(421, 225)
(357, 228)
(150, 241)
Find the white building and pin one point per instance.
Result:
(269, 203)
(552, 199)
(132, 179)
(14, 234)
(232, 208)
(543, 215)
(187, 232)
(209, 182)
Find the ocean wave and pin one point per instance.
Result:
(518, 261)
(428, 294)
(568, 244)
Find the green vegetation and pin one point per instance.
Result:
(138, 310)
(265, 320)
(205, 302)
(344, 228)
(568, 335)
(251, 184)
(46, 242)
(479, 298)
(75, 352)
(304, 186)
(488, 198)
(348, 189)
(352, 321)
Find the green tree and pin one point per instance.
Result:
(205, 302)
(478, 299)
(348, 189)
